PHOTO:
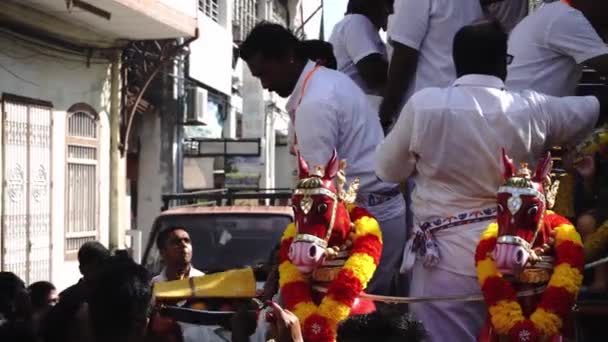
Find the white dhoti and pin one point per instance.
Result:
(441, 259)
(446, 321)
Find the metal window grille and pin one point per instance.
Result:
(82, 180)
(244, 18)
(210, 8)
(26, 187)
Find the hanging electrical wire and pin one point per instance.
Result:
(17, 76)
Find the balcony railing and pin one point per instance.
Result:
(244, 19)
(210, 8)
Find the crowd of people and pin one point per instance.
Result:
(421, 122)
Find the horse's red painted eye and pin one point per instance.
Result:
(533, 211)
(322, 208)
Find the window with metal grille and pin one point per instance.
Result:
(210, 8)
(82, 190)
(244, 18)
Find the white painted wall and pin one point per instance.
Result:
(149, 190)
(211, 53)
(64, 80)
(188, 7)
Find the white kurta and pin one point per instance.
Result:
(451, 140)
(549, 47)
(334, 113)
(429, 27)
(354, 38)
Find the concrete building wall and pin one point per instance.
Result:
(211, 53)
(31, 70)
(149, 178)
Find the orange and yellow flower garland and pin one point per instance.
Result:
(556, 302)
(319, 323)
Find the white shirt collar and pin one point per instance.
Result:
(478, 80)
(294, 98)
(192, 273)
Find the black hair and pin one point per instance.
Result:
(92, 252)
(16, 308)
(481, 48)
(163, 236)
(381, 326)
(272, 41)
(15, 303)
(363, 6)
(316, 49)
(119, 299)
(39, 293)
(356, 6)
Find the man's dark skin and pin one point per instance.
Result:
(177, 254)
(277, 74)
(400, 74)
(373, 69)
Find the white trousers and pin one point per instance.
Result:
(446, 321)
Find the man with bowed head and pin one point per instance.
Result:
(332, 113)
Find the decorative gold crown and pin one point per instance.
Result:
(349, 195)
(522, 178)
(314, 181)
(523, 171)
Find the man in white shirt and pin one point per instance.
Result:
(331, 112)
(421, 34)
(175, 248)
(359, 50)
(450, 140)
(552, 44)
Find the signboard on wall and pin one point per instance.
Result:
(243, 172)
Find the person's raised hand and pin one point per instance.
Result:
(285, 325)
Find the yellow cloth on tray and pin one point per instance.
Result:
(230, 284)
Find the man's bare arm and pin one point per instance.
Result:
(400, 74)
(373, 69)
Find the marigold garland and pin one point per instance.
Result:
(506, 314)
(319, 322)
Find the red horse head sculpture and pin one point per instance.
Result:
(322, 220)
(521, 208)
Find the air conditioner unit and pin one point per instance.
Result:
(197, 109)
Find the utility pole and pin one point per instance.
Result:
(116, 190)
(181, 66)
